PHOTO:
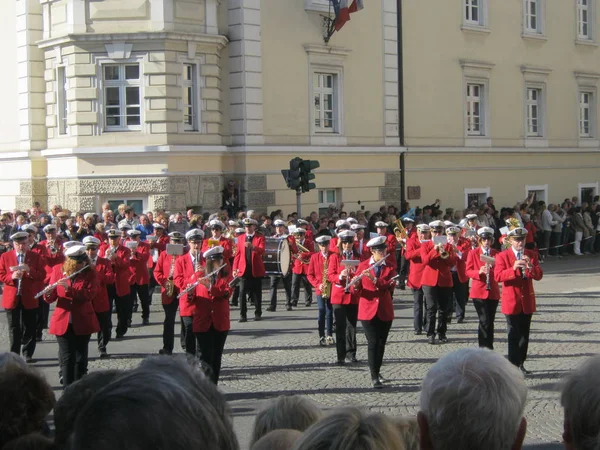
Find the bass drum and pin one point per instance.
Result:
(276, 257)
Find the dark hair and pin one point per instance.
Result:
(33, 441)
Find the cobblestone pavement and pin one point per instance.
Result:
(280, 355)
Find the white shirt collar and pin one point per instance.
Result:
(516, 252)
(372, 261)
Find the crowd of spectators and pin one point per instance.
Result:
(470, 399)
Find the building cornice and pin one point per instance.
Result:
(326, 50)
(532, 70)
(472, 64)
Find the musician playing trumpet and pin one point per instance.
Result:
(139, 278)
(485, 292)
(188, 269)
(73, 320)
(43, 254)
(375, 307)
(20, 271)
(216, 228)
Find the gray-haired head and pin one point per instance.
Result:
(351, 429)
(580, 399)
(166, 403)
(285, 412)
(11, 359)
(472, 398)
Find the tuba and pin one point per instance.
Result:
(400, 230)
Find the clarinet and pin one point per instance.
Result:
(488, 281)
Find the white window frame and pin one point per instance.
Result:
(591, 109)
(125, 199)
(470, 101)
(539, 17)
(193, 84)
(322, 92)
(589, 10)
(581, 186)
(538, 103)
(318, 6)
(588, 82)
(62, 104)
(537, 187)
(122, 84)
(477, 72)
(482, 13)
(325, 204)
(478, 191)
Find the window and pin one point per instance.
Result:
(325, 113)
(583, 20)
(476, 196)
(190, 102)
(327, 197)
(474, 110)
(473, 14)
(587, 192)
(585, 114)
(537, 193)
(533, 107)
(136, 203)
(122, 102)
(532, 16)
(62, 105)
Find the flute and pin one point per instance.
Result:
(358, 277)
(55, 285)
(192, 286)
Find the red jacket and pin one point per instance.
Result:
(531, 232)
(120, 267)
(185, 275)
(104, 276)
(138, 268)
(55, 259)
(464, 247)
(338, 284)
(223, 242)
(376, 299)
(392, 244)
(73, 304)
(299, 267)
(161, 243)
(517, 293)
(437, 270)
(479, 283)
(239, 262)
(165, 270)
(365, 253)
(333, 245)
(314, 273)
(212, 305)
(30, 281)
(413, 254)
(43, 254)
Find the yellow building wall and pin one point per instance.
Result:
(9, 75)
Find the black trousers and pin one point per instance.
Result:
(436, 299)
(151, 285)
(169, 325)
(461, 294)
(298, 279)
(287, 287)
(376, 331)
(486, 311)
(404, 266)
(21, 329)
(105, 321)
(187, 339)
(345, 330)
(72, 355)
(418, 299)
(518, 337)
(252, 286)
(141, 291)
(42, 316)
(123, 305)
(211, 344)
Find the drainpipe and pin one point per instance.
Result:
(401, 102)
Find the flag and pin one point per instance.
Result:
(346, 7)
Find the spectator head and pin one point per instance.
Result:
(285, 412)
(277, 440)
(408, 427)
(144, 220)
(453, 415)
(574, 200)
(489, 200)
(105, 206)
(351, 429)
(33, 441)
(190, 214)
(165, 403)
(580, 399)
(75, 398)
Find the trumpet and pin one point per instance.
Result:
(444, 254)
(52, 247)
(400, 231)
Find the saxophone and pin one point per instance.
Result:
(326, 291)
(52, 247)
(170, 286)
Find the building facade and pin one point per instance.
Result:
(157, 103)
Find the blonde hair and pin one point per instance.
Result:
(409, 431)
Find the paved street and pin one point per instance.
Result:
(280, 355)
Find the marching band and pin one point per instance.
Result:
(353, 277)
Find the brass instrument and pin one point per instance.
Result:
(302, 249)
(325, 283)
(110, 252)
(213, 242)
(197, 263)
(444, 254)
(53, 286)
(132, 245)
(52, 247)
(170, 286)
(400, 231)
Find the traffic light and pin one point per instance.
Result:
(306, 174)
(292, 176)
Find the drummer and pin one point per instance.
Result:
(300, 267)
(281, 232)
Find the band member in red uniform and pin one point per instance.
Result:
(211, 316)
(43, 254)
(413, 256)
(249, 265)
(74, 319)
(119, 292)
(187, 271)
(472, 223)
(300, 268)
(391, 242)
(236, 291)
(21, 271)
(516, 268)
(436, 281)
(375, 308)
(161, 238)
(403, 264)
(54, 257)
(281, 233)
(460, 280)
(360, 242)
(318, 276)
(104, 277)
(485, 292)
(340, 226)
(305, 225)
(164, 273)
(216, 228)
(345, 304)
(139, 278)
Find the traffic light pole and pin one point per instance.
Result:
(299, 202)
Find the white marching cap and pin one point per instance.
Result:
(423, 227)
(213, 253)
(381, 224)
(70, 244)
(195, 234)
(323, 239)
(29, 228)
(301, 222)
(249, 221)
(239, 231)
(75, 250)
(134, 233)
(377, 242)
(91, 240)
(49, 228)
(485, 230)
(346, 234)
(453, 230)
(86, 216)
(175, 235)
(299, 231)
(351, 220)
(436, 224)
(408, 219)
(19, 235)
(471, 216)
(357, 227)
(341, 223)
(448, 223)
(123, 225)
(517, 232)
(279, 223)
(216, 223)
(158, 226)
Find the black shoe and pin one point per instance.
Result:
(271, 309)
(38, 338)
(340, 362)
(289, 308)
(103, 354)
(377, 383)
(135, 307)
(119, 335)
(61, 380)
(307, 304)
(322, 342)
(162, 351)
(146, 321)
(524, 370)
(242, 320)
(351, 358)
(431, 339)
(402, 286)
(449, 319)
(234, 303)
(443, 338)
(129, 323)
(294, 304)
(460, 320)
(257, 318)
(418, 332)
(29, 359)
